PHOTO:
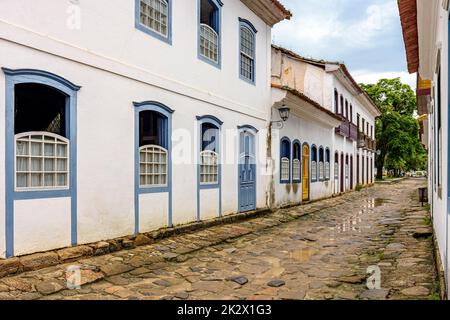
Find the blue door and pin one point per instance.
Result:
(247, 172)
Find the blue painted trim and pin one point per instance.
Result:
(249, 24)
(20, 76)
(243, 23)
(40, 73)
(317, 162)
(327, 150)
(154, 103)
(215, 121)
(145, 29)
(323, 164)
(254, 132)
(166, 112)
(290, 159)
(296, 141)
(218, 4)
(248, 127)
(212, 119)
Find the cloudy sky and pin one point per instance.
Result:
(364, 34)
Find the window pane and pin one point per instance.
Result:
(22, 164)
(49, 165)
(49, 179)
(22, 148)
(36, 164)
(22, 180)
(36, 149)
(49, 150)
(36, 180)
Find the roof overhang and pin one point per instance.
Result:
(408, 18)
(303, 107)
(270, 11)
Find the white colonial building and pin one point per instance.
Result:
(327, 145)
(124, 116)
(426, 33)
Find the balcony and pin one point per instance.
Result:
(347, 130)
(365, 142)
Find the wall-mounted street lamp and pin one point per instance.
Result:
(284, 115)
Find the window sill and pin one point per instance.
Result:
(208, 186)
(154, 34)
(153, 190)
(43, 194)
(251, 82)
(210, 62)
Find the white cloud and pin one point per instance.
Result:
(317, 25)
(368, 77)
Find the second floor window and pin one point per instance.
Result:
(153, 17)
(247, 50)
(209, 32)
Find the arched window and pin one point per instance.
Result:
(209, 154)
(346, 109)
(336, 166)
(41, 138)
(209, 31)
(341, 111)
(247, 35)
(327, 164)
(351, 113)
(154, 17)
(347, 169)
(321, 164)
(285, 158)
(153, 152)
(296, 162)
(336, 101)
(313, 164)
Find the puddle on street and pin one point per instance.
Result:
(303, 255)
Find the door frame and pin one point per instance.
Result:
(253, 131)
(342, 188)
(351, 172)
(309, 171)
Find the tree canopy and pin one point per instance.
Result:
(397, 129)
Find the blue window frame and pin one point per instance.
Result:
(321, 164)
(327, 164)
(153, 125)
(154, 17)
(285, 160)
(68, 129)
(209, 31)
(296, 162)
(247, 51)
(314, 165)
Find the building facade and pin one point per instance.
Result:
(426, 33)
(327, 146)
(124, 120)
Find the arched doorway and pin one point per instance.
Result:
(351, 172)
(305, 172)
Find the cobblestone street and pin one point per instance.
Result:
(317, 251)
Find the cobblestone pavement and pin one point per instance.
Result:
(322, 250)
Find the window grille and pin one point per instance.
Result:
(209, 43)
(154, 15)
(152, 166)
(209, 168)
(42, 161)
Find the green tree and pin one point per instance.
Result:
(397, 129)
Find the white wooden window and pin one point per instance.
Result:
(41, 161)
(209, 43)
(285, 169)
(321, 170)
(247, 54)
(154, 15)
(296, 169)
(152, 166)
(327, 170)
(209, 168)
(313, 170)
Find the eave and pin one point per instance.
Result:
(408, 18)
(270, 11)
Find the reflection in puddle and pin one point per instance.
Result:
(302, 255)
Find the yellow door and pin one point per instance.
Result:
(305, 173)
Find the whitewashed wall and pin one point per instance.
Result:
(126, 66)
